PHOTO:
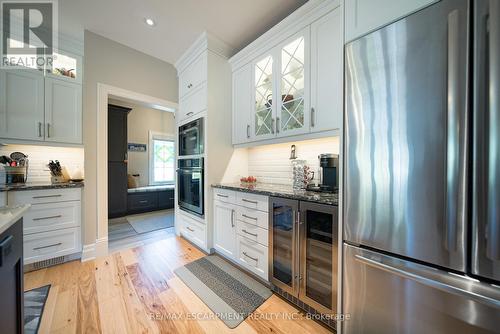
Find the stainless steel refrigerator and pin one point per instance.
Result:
(422, 173)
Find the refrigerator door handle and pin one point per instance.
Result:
(453, 130)
(493, 149)
(404, 273)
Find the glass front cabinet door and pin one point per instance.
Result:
(318, 234)
(294, 75)
(281, 89)
(264, 104)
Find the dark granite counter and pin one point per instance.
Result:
(39, 186)
(279, 190)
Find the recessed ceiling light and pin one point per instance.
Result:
(149, 22)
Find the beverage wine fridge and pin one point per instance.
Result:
(303, 251)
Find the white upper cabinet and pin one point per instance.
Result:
(193, 76)
(45, 104)
(242, 104)
(63, 111)
(22, 104)
(327, 72)
(296, 78)
(293, 85)
(364, 16)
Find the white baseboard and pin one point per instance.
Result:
(95, 250)
(101, 247)
(88, 252)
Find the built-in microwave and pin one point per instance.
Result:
(191, 139)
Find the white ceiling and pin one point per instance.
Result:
(178, 22)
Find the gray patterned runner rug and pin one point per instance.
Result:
(230, 293)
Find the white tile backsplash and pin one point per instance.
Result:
(39, 156)
(271, 163)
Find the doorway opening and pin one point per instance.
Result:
(134, 168)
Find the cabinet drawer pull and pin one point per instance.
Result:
(53, 245)
(46, 196)
(249, 201)
(252, 218)
(51, 217)
(224, 196)
(190, 113)
(253, 258)
(189, 228)
(252, 234)
(143, 201)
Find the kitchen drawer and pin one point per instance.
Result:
(194, 103)
(43, 196)
(253, 232)
(224, 195)
(193, 231)
(253, 217)
(52, 216)
(193, 75)
(253, 201)
(47, 245)
(166, 199)
(253, 256)
(137, 202)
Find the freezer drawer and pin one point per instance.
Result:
(383, 294)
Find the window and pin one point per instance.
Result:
(161, 159)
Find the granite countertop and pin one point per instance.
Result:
(150, 188)
(39, 186)
(280, 190)
(10, 215)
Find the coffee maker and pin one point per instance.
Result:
(328, 174)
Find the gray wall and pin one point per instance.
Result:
(114, 64)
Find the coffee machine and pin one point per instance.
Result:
(328, 174)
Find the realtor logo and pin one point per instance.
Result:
(29, 33)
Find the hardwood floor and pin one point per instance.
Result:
(136, 291)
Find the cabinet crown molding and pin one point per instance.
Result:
(299, 19)
(205, 41)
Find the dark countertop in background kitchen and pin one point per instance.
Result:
(39, 186)
(280, 190)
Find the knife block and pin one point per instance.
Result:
(57, 179)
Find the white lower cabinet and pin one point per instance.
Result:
(225, 228)
(193, 230)
(48, 245)
(241, 231)
(52, 225)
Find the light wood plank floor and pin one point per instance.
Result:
(135, 291)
